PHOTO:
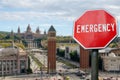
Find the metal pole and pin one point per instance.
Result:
(41, 72)
(94, 72)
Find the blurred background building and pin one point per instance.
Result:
(13, 61)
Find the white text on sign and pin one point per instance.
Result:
(95, 28)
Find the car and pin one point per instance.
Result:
(79, 74)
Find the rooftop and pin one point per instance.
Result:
(11, 51)
(52, 28)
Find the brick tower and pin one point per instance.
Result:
(51, 50)
(84, 58)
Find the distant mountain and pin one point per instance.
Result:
(4, 32)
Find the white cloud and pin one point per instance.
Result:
(31, 15)
(48, 10)
(16, 3)
(29, 4)
(63, 8)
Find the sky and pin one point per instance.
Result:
(44, 13)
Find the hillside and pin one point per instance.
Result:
(3, 34)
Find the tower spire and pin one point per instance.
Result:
(28, 28)
(44, 32)
(51, 31)
(51, 50)
(18, 29)
(37, 30)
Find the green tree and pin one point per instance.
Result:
(20, 45)
(29, 70)
(61, 52)
(74, 56)
(24, 43)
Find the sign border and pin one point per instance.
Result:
(117, 31)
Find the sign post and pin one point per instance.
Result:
(95, 30)
(94, 70)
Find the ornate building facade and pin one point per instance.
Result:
(30, 37)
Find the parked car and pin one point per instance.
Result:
(82, 74)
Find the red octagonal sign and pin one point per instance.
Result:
(95, 29)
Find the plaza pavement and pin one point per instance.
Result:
(30, 78)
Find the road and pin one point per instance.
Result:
(62, 71)
(31, 77)
(33, 66)
(60, 67)
(66, 70)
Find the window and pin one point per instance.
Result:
(113, 60)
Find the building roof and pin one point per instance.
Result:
(106, 50)
(8, 51)
(52, 28)
(11, 51)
